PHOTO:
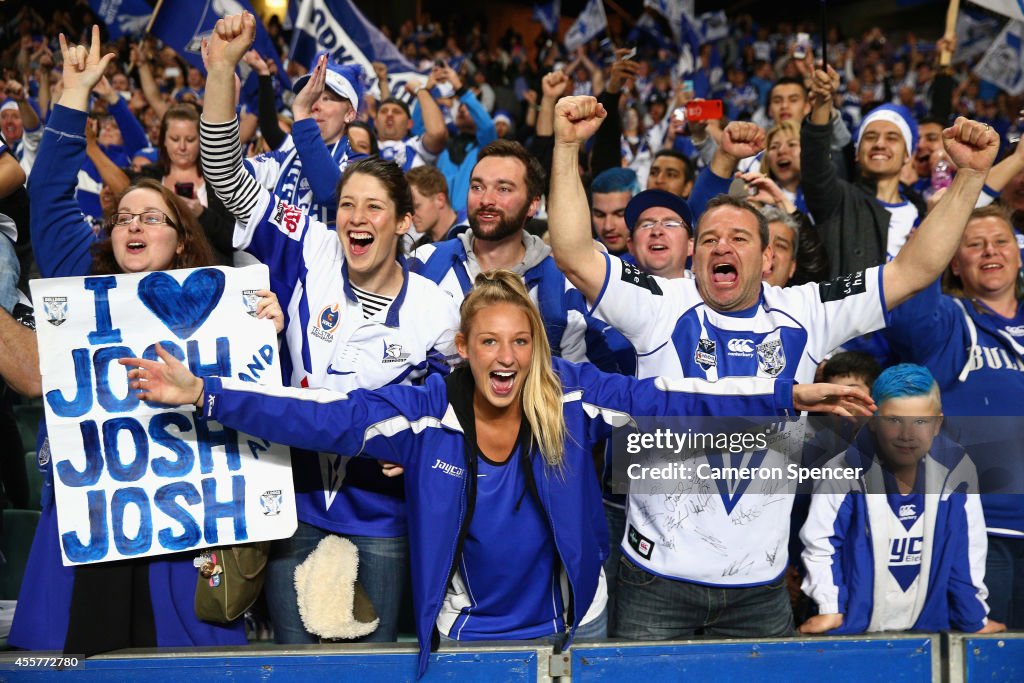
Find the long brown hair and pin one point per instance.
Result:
(177, 112)
(195, 253)
(542, 390)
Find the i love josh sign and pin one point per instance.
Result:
(133, 478)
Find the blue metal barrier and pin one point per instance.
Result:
(302, 664)
(997, 657)
(889, 659)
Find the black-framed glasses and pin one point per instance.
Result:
(152, 217)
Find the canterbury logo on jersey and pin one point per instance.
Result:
(741, 346)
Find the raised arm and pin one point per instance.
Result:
(112, 175)
(266, 101)
(819, 180)
(150, 89)
(132, 132)
(60, 236)
(218, 140)
(318, 166)
(973, 147)
(574, 250)
(318, 419)
(435, 132)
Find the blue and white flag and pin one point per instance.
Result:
(674, 11)
(1008, 8)
(122, 17)
(974, 31)
(714, 26)
(1003, 64)
(548, 15)
(183, 24)
(340, 29)
(591, 22)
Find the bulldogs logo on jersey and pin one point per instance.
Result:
(771, 357)
(328, 321)
(56, 309)
(393, 353)
(704, 355)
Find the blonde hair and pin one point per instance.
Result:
(952, 284)
(542, 390)
(792, 128)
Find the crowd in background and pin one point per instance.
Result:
(792, 139)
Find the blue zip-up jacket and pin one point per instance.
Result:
(977, 358)
(421, 429)
(842, 540)
(61, 240)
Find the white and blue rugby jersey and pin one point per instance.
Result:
(786, 334)
(328, 343)
(721, 533)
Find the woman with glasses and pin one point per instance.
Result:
(145, 602)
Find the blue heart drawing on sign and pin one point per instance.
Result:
(182, 308)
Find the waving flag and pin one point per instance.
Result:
(340, 29)
(122, 17)
(1008, 8)
(548, 15)
(591, 22)
(1003, 64)
(183, 24)
(974, 31)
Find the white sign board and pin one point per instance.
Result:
(134, 479)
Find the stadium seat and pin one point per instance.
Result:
(15, 543)
(28, 417)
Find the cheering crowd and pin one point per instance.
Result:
(555, 241)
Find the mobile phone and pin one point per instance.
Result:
(184, 190)
(703, 110)
(803, 45)
(687, 86)
(439, 63)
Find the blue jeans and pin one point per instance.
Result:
(616, 518)
(649, 607)
(10, 270)
(383, 563)
(1004, 576)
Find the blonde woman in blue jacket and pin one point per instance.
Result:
(506, 526)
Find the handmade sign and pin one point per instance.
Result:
(133, 478)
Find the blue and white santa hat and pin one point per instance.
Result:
(896, 114)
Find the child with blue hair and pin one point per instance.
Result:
(903, 546)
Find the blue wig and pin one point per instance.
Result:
(904, 380)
